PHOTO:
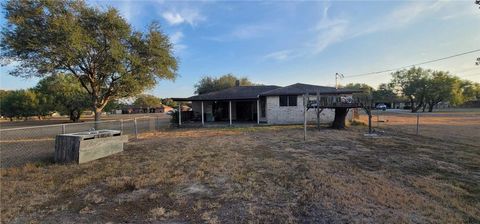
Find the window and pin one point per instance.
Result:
(283, 101)
(292, 101)
(288, 101)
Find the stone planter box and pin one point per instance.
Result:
(83, 147)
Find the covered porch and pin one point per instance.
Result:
(212, 113)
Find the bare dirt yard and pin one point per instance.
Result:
(256, 175)
(459, 125)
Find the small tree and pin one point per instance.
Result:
(169, 102)
(210, 84)
(66, 94)
(97, 47)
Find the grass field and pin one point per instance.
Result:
(256, 175)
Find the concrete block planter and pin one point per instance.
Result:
(83, 147)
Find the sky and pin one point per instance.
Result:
(286, 42)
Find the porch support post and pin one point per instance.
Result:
(318, 110)
(258, 111)
(305, 116)
(230, 111)
(203, 120)
(179, 114)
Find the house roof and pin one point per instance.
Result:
(252, 92)
(234, 93)
(300, 88)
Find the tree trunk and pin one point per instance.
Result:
(340, 115)
(430, 107)
(71, 116)
(75, 115)
(98, 113)
(416, 108)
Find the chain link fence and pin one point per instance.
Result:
(23, 145)
(461, 126)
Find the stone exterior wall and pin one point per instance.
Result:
(294, 114)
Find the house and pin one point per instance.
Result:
(263, 104)
(131, 109)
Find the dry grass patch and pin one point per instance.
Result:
(264, 174)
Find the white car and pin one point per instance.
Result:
(381, 107)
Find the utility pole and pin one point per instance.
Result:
(338, 76)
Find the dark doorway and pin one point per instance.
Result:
(220, 111)
(245, 111)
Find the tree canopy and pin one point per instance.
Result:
(427, 88)
(411, 83)
(210, 84)
(65, 94)
(19, 103)
(97, 47)
(146, 100)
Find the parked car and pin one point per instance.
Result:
(381, 107)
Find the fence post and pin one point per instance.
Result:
(418, 118)
(63, 129)
(378, 118)
(121, 125)
(135, 126)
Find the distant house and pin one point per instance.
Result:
(262, 104)
(131, 109)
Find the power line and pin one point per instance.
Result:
(422, 63)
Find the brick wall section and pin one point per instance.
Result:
(294, 114)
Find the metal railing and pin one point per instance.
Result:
(22, 145)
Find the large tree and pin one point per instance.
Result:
(66, 94)
(440, 88)
(411, 83)
(465, 90)
(19, 103)
(98, 47)
(210, 84)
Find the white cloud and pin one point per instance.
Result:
(334, 29)
(329, 31)
(244, 32)
(176, 37)
(249, 31)
(404, 15)
(178, 48)
(279, 55)
(188, 16)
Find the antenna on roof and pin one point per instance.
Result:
(338, 76)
